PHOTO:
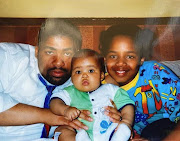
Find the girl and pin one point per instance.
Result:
(153, 87)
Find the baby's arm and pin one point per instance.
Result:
(58, 107)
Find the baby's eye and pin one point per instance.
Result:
(91, 71)
(78, 72)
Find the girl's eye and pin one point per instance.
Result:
(130, 57)
(91, 71)
(78, 72)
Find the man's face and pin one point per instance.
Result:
(54, 59)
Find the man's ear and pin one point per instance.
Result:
(142, 60)
(102, 76)
(36, 51)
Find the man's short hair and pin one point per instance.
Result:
(59, 27)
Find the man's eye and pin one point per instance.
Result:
(49, 52)
(113, 56)
(91, 71)
(68, 53)
(78, 72)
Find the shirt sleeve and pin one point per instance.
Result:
(168, 87)
(122, 98)
(6, 101)
(63, 95)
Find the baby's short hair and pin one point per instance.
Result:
(84, 53)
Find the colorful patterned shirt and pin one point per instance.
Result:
(156, 93)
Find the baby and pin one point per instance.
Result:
(87, 93)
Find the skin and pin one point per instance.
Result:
(122, 60)
(86, 74)
(54, 59)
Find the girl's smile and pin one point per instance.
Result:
(122, 60)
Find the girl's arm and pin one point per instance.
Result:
(127, 114)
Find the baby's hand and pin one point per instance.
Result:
(72, 113)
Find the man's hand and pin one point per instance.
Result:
(23, 114)
(78, 124)
(55, 120)
(85, 115)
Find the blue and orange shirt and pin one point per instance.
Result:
(156, 93)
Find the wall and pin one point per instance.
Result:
(26, 32)
(89, 8)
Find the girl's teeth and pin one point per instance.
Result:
(120, 71)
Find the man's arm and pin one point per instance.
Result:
(22, 114)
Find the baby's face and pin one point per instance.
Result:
(86, 75)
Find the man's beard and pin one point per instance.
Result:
(57, 80)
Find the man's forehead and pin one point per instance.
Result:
(59, 42)
(71, 48)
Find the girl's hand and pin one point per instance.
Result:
(113, 113)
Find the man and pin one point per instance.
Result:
(25, 73)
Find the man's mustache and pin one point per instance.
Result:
(61, 69)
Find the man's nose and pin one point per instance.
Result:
(58, 61)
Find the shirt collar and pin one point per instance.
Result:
(132, 83)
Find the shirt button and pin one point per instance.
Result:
(92, 99)
(95, 112)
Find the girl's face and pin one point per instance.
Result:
(86, 75)
(122, 60)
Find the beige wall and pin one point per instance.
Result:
(89, 8)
